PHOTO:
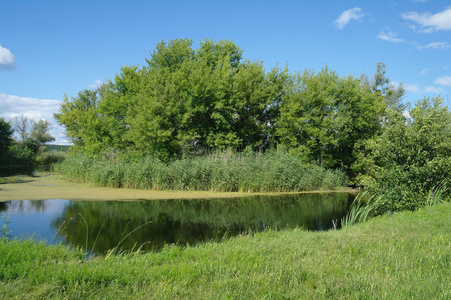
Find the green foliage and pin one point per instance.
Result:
(274, 171)
(81, 117)
(185, 101)
(361, 210)
(5, 233)
(323, 117)
(46, 158)
(5, 138)
(412, 157)
(18, 155)
(39, 133)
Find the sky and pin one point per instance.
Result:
(49, 49)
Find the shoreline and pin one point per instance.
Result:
(54, 186)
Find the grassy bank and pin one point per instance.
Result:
(401, 256)
(226, 172)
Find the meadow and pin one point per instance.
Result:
(405, 255)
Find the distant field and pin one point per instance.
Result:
(57, 147)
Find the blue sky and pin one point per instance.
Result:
(52, 48)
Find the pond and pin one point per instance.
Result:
(102, 225)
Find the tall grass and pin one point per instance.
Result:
(365, 206)
(362, 208)
(224, 171)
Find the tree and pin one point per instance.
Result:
(5, 137)
(412, 157)
(323, 117)
(40, 132)
(81, 117)
(21, 125)
(380, 84)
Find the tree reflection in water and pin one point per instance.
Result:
(192, 221)
(183, 222)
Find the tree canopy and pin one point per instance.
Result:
(5, 136)
(188, 101)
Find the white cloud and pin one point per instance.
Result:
(444, 80)
(430, 22)
(414, 88)
(11, 106)
(436, 45)
(433, 89)
(348, 15)
(96, 84)
(7, 59)
(425, 71)
(390, 36)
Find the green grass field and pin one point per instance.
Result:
(400, 256)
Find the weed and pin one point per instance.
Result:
(6, 234)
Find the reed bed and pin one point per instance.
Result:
(227, 172)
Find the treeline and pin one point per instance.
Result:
(29, 147)
(193, 101)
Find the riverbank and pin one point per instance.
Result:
(45, 186)
(400, 256)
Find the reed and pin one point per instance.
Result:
(275, 171)
(362, 208)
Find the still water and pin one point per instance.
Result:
(103, 225)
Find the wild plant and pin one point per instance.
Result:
(6, 234)
(437, 194)
(361, 209)
(274, 171)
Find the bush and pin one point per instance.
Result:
(412, 157)
(50, 157)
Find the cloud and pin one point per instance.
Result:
(7, 59)
(96, 84)
(430, 22)
(11, 106)
(444, 80)
(425, 71)
(390, 36)
(348, 15)
(436, 45)
(414, 88)
(433, 89)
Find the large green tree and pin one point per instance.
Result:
(324, 116)
(6, 139)
(183, 101)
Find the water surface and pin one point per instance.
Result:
(103, 225)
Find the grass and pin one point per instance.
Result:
(226, 172)
(399, 256)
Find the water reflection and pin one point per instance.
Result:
(27, 171)
(170, 221)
